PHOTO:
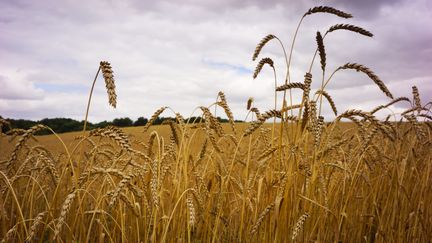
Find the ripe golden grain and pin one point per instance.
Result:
(326, 9)
(370, 74)
(350, 27)
(107, 73)
(261, 44)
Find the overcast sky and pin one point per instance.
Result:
(181, 53)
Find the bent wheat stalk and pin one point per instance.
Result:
(106, 69)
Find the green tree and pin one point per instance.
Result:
(122, 122)
(141, 121)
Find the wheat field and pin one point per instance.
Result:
(285, 175)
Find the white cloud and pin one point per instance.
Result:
(18, 88)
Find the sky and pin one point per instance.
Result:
(182, 53)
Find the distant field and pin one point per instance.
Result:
(135, 133)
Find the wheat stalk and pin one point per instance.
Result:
(107, 72)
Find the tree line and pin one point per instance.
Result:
(62, 125)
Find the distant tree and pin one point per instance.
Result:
(21, 123)
(158, 120)
(122, 122)
(141, 121)
(103, 124)
(61, 125)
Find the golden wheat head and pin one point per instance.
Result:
(350, 27)
(326, 9)
(261, 44)
(107, 73)
(321, 50)
(260, 65)
(370, 74)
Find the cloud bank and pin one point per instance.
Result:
(180, 54)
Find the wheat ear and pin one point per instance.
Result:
(10, 234)
(261, 44)
(256, 124)
(224, 104)
(261, 218)
(321, 50)
(326, 9)
(291, 86)
(107, 73)
(299, 225)
(114, 133)
(37, 221)
(389, 104)
(260, 65)
(370, 74)
(350, 27)
(416, 98)
(154, 117)
(249, 103)
(27, 134)
(63, 213)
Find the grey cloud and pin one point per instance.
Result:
(18, 90)
(157, 50)
(365, 8)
